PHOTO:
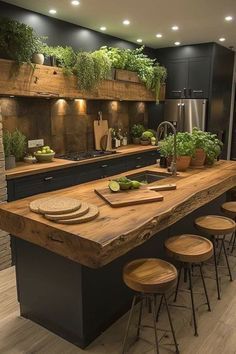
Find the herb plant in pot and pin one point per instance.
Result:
(136, 133)
(14, 147)
(200, 143)
(213, 148)
(184, 150)
(146, 137)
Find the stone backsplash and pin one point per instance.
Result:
(67, 125)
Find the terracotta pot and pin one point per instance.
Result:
(136, 141)
(38, 58)
(199, 158)
(182, 163)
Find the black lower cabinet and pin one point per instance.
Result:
(23, 187)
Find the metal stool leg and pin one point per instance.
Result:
(154, 324)
(192, 300)
(159, 308)
(178, 281)
(128, 324)
(204, 286)
(216, 267)
(171, 325)
(234, 239)
(226, 258)
(139, 319)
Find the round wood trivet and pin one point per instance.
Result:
(34, 205)
(84, 208)
(59, 205)
(92, 214)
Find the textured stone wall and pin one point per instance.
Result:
(5, 251)
(67, 125)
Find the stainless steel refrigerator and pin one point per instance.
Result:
(186, 114)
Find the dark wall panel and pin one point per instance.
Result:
(64, 33)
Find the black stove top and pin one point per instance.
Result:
(78, 156)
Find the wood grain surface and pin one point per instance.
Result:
(48, 81)
(229, 208)
(24, 169)
(117, 230)
(189, 248)
(215, 224)
(128, 197)
(150, 275)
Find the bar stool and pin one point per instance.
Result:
(149, 277)
(216, 226)
(229, 208)
(189, 250)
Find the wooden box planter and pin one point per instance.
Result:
(48, 81)
(126, 75)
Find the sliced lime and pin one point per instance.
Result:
(114, 186)
(136, 184)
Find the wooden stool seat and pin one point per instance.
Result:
(150, 275)
(215, 225)
(229, 208)
(189, 248)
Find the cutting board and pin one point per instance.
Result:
(126, 198)
(100, 129)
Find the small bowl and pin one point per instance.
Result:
(45, 157)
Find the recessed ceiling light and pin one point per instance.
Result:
(228, 18)
(177, 43)
(52, 11)
(174, 28)
(103, 28)
(126, 22)
(222, 39)
(158, 35)
(75, 2)
(139, 40)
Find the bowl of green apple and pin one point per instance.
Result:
(46, 154)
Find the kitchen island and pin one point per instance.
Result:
(69, 278)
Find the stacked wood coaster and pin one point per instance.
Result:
(64, 210)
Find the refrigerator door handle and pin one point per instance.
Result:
(190, 92)
(185, 92)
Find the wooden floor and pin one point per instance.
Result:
(217, 329)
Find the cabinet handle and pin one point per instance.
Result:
(185, 92)
(48, 179)
(190, 92)
(104, 166)
(55, 239)
(197, 91)
(138, 166)
(138, 158)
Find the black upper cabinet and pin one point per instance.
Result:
(199, 73)
(188, 78)
(177, 78)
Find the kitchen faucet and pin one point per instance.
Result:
(164, 124)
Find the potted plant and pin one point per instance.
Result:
(136, 133)
(14, 147)
(63, 57)
(102, 65)
(213, 148)
(200, 142)
(17, 41)
(146, 137)
(38, 51)
(184, 149)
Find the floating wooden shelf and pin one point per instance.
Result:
(48, 81)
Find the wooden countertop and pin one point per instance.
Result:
(25, 169)
(116, 231)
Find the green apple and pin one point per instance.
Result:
(39, 152)
(51, 151)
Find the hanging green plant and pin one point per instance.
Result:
(84, 69)
(102, 65)
(65, 57)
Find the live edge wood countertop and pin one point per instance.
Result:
(116, 230)
(25, 169)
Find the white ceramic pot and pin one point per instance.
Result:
(38, 58)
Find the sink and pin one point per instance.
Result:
(148, 176)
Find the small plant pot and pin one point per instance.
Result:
(209, 162)
(10, 162)
(199, 159)
(38, 58)
(136, 141)
(182, 163)
(144, 142)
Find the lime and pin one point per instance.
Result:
(136, 184)
(114, 186)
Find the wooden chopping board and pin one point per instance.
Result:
(130, 197)
(100, 130)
